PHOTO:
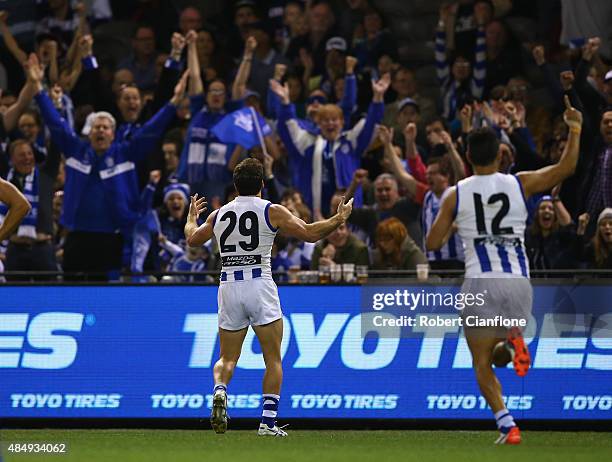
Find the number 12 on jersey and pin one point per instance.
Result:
(496, 229)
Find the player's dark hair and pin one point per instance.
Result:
(248, 177)
(483, 146)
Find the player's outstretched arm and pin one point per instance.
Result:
(198, 235)
(548, 177)
(442, 227)
(289, 224)
(18, 207)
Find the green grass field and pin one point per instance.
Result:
(317, 446)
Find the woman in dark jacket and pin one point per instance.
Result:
(551, 238)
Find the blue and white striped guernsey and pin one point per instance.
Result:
(491, 217)
(453, 249)
(245, 236)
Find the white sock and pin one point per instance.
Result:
(504, 419)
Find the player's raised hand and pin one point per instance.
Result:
(572, 116)
(197, 206)
(344, 210)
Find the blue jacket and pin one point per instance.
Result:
(347, 151)
(116, 167)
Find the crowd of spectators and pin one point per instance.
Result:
(107, 143)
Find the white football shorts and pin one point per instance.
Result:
(510, 298)
(252, 302)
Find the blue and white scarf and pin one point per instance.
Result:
(30, 191)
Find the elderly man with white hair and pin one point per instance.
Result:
(101, 200)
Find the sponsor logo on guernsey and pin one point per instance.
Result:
(241, 260)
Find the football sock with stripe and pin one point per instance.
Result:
(504, 420)
(270, 409)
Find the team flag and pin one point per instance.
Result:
(245, 127)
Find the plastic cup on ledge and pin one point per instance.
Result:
(422, 270)
(348, 272)
(336, 273)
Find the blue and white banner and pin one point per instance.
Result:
(147, 351)
(245, 127)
